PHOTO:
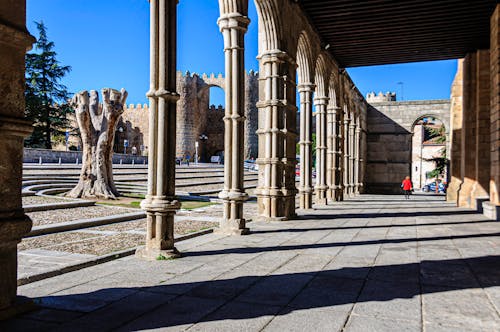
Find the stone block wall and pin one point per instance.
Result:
(390, 127)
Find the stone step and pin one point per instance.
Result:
(84, 223)
(56, 206)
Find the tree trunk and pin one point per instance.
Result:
(97, 123)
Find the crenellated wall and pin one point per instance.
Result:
(195, 117)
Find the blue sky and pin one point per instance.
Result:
(107, 45)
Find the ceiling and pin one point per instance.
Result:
(376, 32)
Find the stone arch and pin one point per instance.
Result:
(233, 6)
(305, 70)
(321, 76)
(270, 25)
(431, 115)
(333, 92)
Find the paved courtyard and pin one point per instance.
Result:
(372, 263)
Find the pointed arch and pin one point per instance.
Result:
(233, 6)
(333, 90)
(305, 68)
(321, 76)
(270, 25)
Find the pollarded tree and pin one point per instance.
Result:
(46, 98)
(97, 123)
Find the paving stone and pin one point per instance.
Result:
(276, 289)
(364, 323)
(26, 325)
(390, 300)
(237, 316)
(312, 319)
(463, 308)
(117, 313)
(176, 315)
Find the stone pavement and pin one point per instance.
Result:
(373, 263)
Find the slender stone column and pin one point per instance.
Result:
(352, 151)
(305, 189)
(161, 203)
(346, 149)
(14, 224)
(357, 148)
(233, 27)
(321, 141)
(332, 151)
(339, 181)
(275, 197)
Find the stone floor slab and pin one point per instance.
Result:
(371, 263)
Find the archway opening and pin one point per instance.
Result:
(429, 165)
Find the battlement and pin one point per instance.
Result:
(371, 97)
(137, 107)
(211, 76)
(218, 108)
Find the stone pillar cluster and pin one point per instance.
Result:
(14, 224)
(321, 186)
(160, 203)
(332, 150)
(276, 187)
(233, 27)
(305, 188)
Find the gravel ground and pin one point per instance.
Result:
(100, 245)
(35, 200)
(61, 215)
(80, 242)
(39, 242)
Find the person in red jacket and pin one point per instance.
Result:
(407, 187)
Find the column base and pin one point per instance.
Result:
(21, 305)
(231, 231)
(157, 254)
(232, 227)
(491, 211)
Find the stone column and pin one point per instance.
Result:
(321, 141)
(331, 133)
(456, 111)
(480, 190)
(494, 203)
(357, 143)
(14, 224)
(339, 158)
(233, 27)
(305, 189)
(276, 83)
(161, 203)
(352, 152)
(346, 150)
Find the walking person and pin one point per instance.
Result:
(407, 187)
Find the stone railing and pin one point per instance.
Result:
(44, 156)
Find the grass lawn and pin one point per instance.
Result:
(130, 201)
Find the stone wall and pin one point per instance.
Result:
(389, 140)
(194, 117)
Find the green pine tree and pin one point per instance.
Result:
(46, 98)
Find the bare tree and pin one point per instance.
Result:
(97, 123)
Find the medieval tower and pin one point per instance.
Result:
(197, 120)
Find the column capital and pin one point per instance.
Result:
(11, 126)
(235, 21)
(306, 87)
(275, 56)
(14, 37)
(321, 100)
